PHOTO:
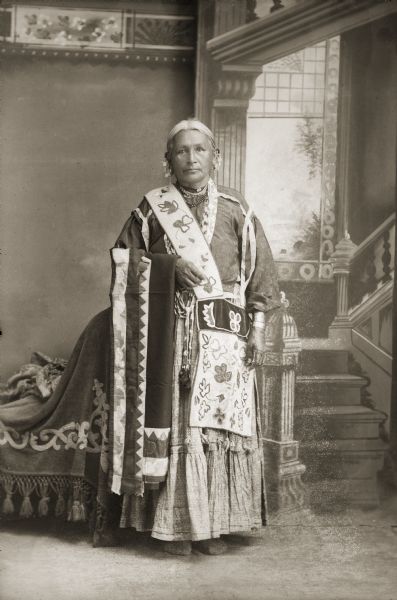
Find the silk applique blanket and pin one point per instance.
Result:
(143, 290)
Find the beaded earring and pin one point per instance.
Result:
(167, 169)
(217, 159)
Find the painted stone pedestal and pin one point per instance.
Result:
(285, 490)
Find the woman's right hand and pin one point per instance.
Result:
(188, 275)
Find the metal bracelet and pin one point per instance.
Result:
(259, 317)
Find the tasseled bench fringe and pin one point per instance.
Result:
(26, 496)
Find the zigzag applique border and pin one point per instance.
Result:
(144, 282)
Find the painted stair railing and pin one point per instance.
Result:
(371, 294)
(372, 264)
(322, 442)
(313, 408)
(364, 275)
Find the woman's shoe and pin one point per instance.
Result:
(178, 548)
(212, 546)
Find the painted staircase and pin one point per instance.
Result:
(339, 436)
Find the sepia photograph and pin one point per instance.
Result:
(198, 314)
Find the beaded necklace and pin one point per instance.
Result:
(194, 199)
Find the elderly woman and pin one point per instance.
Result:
(154, 424)
(214, 483)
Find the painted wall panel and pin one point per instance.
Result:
(80, 144)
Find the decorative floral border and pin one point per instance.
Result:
(304, 270)
(62, 27)
(86, 28)
(328, 232)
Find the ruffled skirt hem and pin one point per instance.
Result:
(208, 493)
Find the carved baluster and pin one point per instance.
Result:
(370, 271)
(250, 14)
(276, 5)
(386, 257)
(277, 387)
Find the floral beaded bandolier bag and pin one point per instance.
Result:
(222, 386)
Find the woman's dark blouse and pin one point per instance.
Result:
(262, 292)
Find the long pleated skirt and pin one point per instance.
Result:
(215, 482)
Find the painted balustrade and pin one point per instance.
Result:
(359, 271)
(372, 264)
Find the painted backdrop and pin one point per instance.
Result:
(80, 144)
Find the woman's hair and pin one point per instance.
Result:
(187, 125)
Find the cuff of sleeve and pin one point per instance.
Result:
(262, 303)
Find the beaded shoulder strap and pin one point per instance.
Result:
(186, 237)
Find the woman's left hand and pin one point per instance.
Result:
(255, 347)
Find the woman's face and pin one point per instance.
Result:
(192, 158)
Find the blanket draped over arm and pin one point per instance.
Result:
(141, 367)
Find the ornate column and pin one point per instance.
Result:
(223, 90)
(285, 489)
(343, 134)
(234, 85)
(340, 260)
